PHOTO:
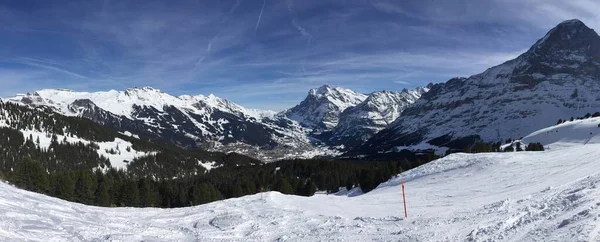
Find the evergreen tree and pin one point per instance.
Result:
(30, 175)
(65, 187)
(310, 188)
(392, 168)
(199, 195)
(322, 182)
(349, 184)
(102, 197)
(130, 195)
(236, 190)
(284, 186)
(519, 146)
(182, 196)
(249, 187)
(509, 149)
(215, 193)
(148, 197)
(167, 193)
(204, 193)
(534, 147)
(85, 188)
(367, 180)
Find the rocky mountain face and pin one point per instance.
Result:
(359, 123)
(322, 107)
(558, 77)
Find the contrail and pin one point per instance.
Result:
(260, 15)
(302, 31)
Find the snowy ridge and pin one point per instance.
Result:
(123, 102)
(516, 196)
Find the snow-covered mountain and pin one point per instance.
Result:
(556, 78)
(208, 122)
(359, 123)
(322, 107)
(551, 195)
(70, 143)
(312, 128)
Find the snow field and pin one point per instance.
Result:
(517, 196)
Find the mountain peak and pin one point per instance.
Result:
(569, 35)
(322, 90)
(570, 28)
(572, 22)
(322, 106)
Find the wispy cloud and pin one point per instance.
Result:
(48, 65)
(402, 82)
(191, 47)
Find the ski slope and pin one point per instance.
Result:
(552, 195)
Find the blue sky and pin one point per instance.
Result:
(265, 54)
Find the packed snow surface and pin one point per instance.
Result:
(519, 196)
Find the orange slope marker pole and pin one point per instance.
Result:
(404, 199)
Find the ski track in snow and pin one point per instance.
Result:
(519, 196)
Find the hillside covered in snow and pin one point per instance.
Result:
(62, 143)
(551, 195)
(576, 132)
(556, 78)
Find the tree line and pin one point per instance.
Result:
(112, 187)
(586, 116)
